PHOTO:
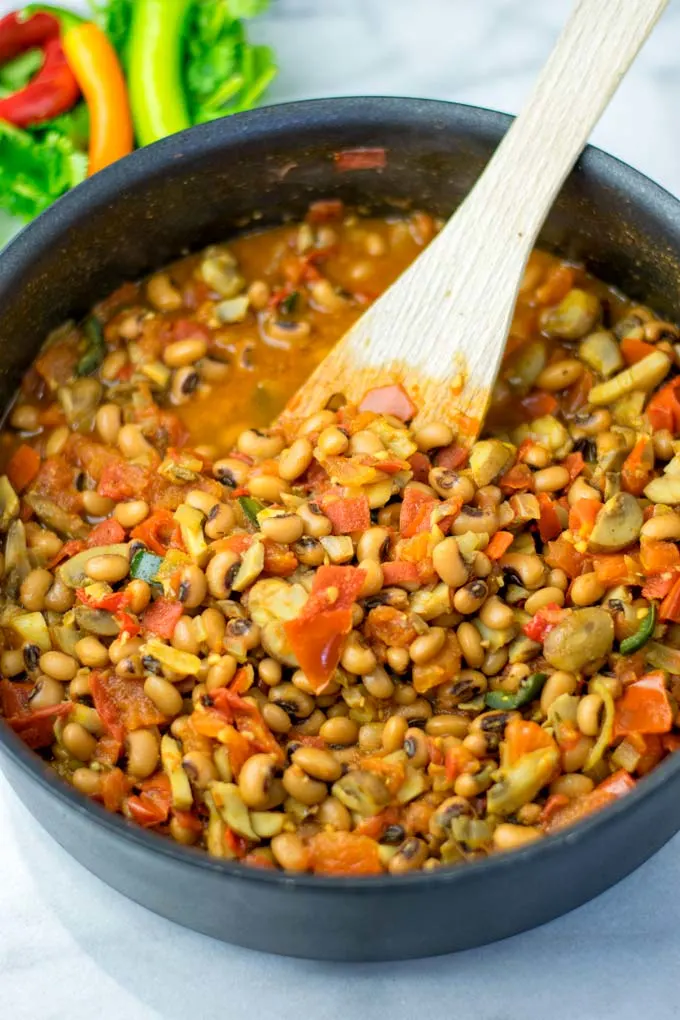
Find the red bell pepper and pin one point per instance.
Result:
(108, 532)
(54, 89)
(161, 617)
(543, 622)
(644, 707)
(416, 508)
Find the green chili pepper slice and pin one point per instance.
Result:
(289, 303)
(145, 566)
(528, 689)
(251, 508)
(641, 637)
(96, 348)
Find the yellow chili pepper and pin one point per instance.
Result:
(97, 70)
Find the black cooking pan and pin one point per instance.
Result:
(200, 187)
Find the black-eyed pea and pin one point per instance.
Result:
(108, 567)
(662, 440)
(230, 471)
(332, 442)
(219, 522)
(260, 445)
(132, 443)
(398, 659)
(417, 748)
(183, 353)
(551, 479)
(132, 513)
(317, 422)
(270, 672)
(588, 714)
(405, 694)
(494, 661)
(528, 566)
(331, 812)
(418, 712)
(586, 589)
(544, 597)
(572, 785)
(284, 528)
(164, 695)
(339, 731)
(466, 786)
(163, 294)
(432, 436)
(58, 665)
(290, 852)
(57, 440)
(426, 646)
(184, 636)
(221, 573)
(295, 702)
(46, 693)
(200, 768)
(365, 442)
(447, 725)
(60, 597)
(560, 374)
(470, 643)
(139, 595)
(477, 744)
(108, 422)
(410, 856)
(309, 551)
(34, 588)
(318, 763)
(373, 580)
(507, 836)
(662, 527)
(192, 587)
(276, 719)
(496, 615)
(470, 598)
(379, 684)
(12, 662)
(373, 544)
(449, 564)
(91, 652)
(302, 787)
(529, 814)
(371, 737)
(143, 753)
(393, 733)
(450, 484)
(557, 684)
(295, 460)
(87, 781)
(95, 505)
(575, 757)
(538, 456)
(80, 744)
(314, 521)
(258, 783)
(357, 658)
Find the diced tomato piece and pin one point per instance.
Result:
(634, 350)
(638, 467)
(558, 283)
(14, 695)
(658, 586)
(522, 737)
(121, 481)
(156, 532)
(499, 545)
(669, 610)
(112, 603)
(615, 786)
(390, 626)
(56, 481)
(582, 516)
(663, 410)
(644, 707)
(574, 463)
(161, 617)
(122, 704)
(107, 532)
(519, 478)
(248, 720)
(658, 557)
(543, 622)
(538, 404)
(452, 457)
(389, 400)
(375, 825)
(115, 787)
(360, 159)
(421, 467)
(23, 467)
(36, 728)
(279, 560)
(563, 555)
(616, 568)
(347, 514)
(344, 853)
(416, 509)
(549, 524)
(399, 572)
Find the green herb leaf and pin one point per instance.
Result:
(251, 508)
(95, 351)
(36, 167)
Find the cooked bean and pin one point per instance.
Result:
(411, 854)
(586, 589)
(417, 748)
(259, 446)
(259, 786)
(87, 781)
(290, 852)
(332, 812)
(267, 487)
(295, 460)
(286, 528)
(471, 597)
(588, 714)
(58, 665)
(276, 719)
(433, 435)
(556, 684)
(365, 442)
(162, 293)
(370, 737)
(449, 564)
(129, 515)
(544, 597)
(184, 352)
(572, 785)
(551, 479)
(560, 374)
(451, 485)
(12, 662)
(164, 695)
(80, 744)
(317, 763)
(357, 657)
(425, 647)
(339, 731)
(139, 595)
(302, 787)
(378, 684)
(132, 443)
(46, 692)
(496, 614)
(143, 753)
(34, 588)
(509, 837)
(107, 567)
(662, 527)
(60, 597)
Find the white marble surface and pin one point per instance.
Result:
(71, 949)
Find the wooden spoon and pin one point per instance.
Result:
(440, 329)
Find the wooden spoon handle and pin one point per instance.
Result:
(441, 328)
(594, 51)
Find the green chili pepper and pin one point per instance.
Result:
(96, 348)
(289, 303)
(155, 74)
(528, 689)
(251, 508)
(145, 566)
(641, 637)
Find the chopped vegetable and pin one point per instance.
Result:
(96, 347)
(644, 707)
(529, 689)
(161, 617)
(144, 566)
(251, 508)
(23, 467)
(641, 637)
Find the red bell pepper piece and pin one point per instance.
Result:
(644, 707)
(23, 467)
(18, 34)
(615, 786)
(161, 617)
(399, 572)
(108, 532)
(669, 610)
(543, 622)
(416, 508)
(347, 514)
(549, 524)
(53, 91)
